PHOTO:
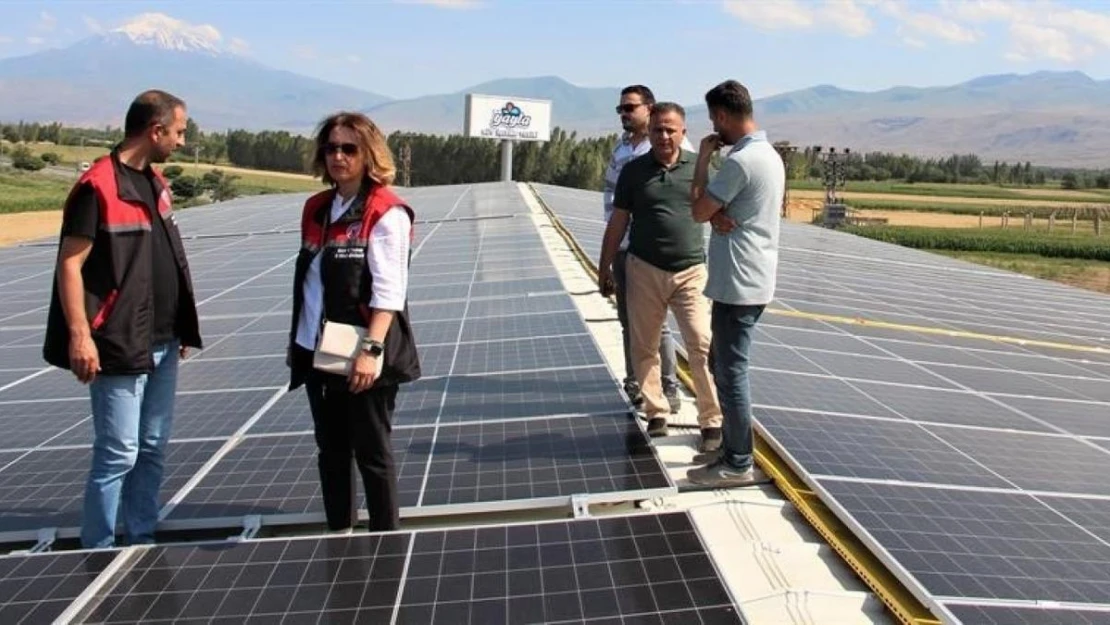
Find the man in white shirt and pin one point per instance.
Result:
(635, 110)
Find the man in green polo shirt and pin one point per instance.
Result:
(665, 267)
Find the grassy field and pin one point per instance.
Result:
(1039, 210)
(992, 240)
(251, 181)
(976, 191)
(1088, 274)
(254, 182)
(67, 154)
(23, 191)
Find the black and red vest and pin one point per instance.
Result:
(346, 278)
(118, 276)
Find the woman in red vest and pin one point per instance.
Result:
(353, 269)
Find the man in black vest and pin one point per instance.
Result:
(121, 314)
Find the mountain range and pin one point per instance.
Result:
(1050, 118)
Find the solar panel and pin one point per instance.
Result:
(1015, 615)
(503, 347)
(44, 487)
(38, 588)
(485, 466)
(926, 401)
(626, 569)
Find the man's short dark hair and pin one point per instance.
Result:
(150, 107)
(645, 94)
(730, 96)
(668, 107)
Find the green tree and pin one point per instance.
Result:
(186, 187)
(23, 159)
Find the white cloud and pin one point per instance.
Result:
(47, 22)
(354, 58)
(92, 24)
(1094, 26)
(850, 17)
(1041, 29)
(981, 10)
(5, 39)
(927, 25)
(772, 15)
(1035, 29)
(1030, 41)
(36, 41)
(844, 16)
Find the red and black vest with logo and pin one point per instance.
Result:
(346, 278)
(118, 276)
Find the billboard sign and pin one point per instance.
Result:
(507, 118)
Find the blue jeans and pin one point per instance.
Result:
(733, 327)
(668, 365)
(132, 416)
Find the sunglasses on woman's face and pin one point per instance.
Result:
(350, 149)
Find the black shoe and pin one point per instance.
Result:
(673, 399)
(632, 389)
(657, 426)
(710, 440)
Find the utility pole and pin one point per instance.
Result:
(832, 169)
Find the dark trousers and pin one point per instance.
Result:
(358, 426)
(733, 327)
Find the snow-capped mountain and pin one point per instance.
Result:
(92, 81)
(164, 32)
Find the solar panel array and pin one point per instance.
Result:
(516, 409)
(516, 405)
(956, 417)
(638, 569)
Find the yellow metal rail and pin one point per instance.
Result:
(997, 338)
(890, 590)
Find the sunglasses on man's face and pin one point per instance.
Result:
(350, 149)
(628, 108)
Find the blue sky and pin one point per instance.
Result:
(406, 48)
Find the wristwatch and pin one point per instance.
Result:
(372, 347)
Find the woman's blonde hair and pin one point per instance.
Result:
(371, 142)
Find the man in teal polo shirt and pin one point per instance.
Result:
(664, 267)
(743, 260)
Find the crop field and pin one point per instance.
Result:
(965, 191)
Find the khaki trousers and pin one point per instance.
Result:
(650, 292)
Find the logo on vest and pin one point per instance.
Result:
(352, 230)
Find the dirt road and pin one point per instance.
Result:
(19, 227)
